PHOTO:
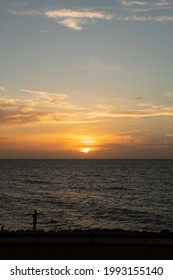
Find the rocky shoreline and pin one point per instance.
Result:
(164, 232)
(88, 244)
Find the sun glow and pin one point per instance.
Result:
(85, 150)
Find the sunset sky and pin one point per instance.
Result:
(86, 79)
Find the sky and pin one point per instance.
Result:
(86, 79)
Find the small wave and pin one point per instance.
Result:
(52, 222)
(36, 181)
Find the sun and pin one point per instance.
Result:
(85, 150)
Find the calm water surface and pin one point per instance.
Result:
(87, 194)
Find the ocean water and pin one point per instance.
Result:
(87, 194)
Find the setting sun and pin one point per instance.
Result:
(85, 150)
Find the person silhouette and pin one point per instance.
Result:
(34, 216)
(2, 228)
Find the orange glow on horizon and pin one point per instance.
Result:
(73, 145)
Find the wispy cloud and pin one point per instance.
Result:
(123, 139)
(52, 99)
(14, 112)
(128, 98)
(2, 88)
(67, 13)
(148, 110)
(41, 107)
(19, 12)
(8, 102)
(72, 23)
(49, 97)
(128, 3)
(74, 19)
(163, 19)
(159, 111)
(138, 7)
(144, 3)
(138, 18)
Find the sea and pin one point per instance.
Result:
(84, 194)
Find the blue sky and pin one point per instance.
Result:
(86, 74)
